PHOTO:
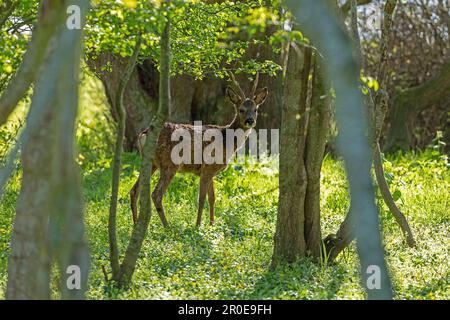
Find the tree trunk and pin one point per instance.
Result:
(343, 71)
(29, 261)
(139, 106)
(49, 219)
(409, 102)
(117, 162)
(290, 243)
(140, 228)
(318, 128)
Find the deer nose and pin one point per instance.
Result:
(250, 121)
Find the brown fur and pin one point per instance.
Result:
(245, 109)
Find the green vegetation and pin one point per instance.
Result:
(231, 259)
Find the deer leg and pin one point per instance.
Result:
(211, 200)
(134, 196)
(166, 177)
(205, 182)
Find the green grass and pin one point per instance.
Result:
(231, 259)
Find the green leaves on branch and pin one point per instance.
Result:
(368, 83)
(204, 36)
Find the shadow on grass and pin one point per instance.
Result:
(302, 280)
(190, 240)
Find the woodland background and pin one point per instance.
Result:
(70, 217)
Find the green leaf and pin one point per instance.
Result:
(397, 195)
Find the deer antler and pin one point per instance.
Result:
(255, 85)
(236, 84)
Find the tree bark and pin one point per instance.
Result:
(29, 261)
(290, 243)
(409, 102)
(139, 106)
(343, 71)
(49, 218)
(389, 200)
(318, 129)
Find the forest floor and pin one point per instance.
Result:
(231, 259)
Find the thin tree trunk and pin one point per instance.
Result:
(116, 165)
(67, 230)
(29, 261)
(378, 108)
(389, 200)
(141, 226)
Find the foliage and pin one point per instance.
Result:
(231, 259)
(14, 36)
(420, 36)
(204, 35)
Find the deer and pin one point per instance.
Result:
(245, 116)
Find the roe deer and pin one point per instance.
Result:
(246, 112)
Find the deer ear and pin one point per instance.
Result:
(233, 96)
(261, 96)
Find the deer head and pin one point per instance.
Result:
(246, 108)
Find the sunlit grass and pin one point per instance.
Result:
(231, 259)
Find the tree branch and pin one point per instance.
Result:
(10, 7)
